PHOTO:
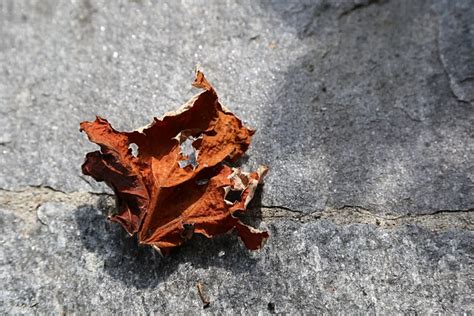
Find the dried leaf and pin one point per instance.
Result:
(170, 179)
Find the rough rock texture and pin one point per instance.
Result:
(456, 43)
(363, 111)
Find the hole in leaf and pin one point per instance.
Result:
(189, 152)
(202, 181)
(134, 149)
(188, 231)
(233, 196)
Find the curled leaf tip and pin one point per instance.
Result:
(201, 82)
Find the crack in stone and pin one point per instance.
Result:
(40, 188)
(410, 116)
(357, 7)
(353, 214)
(466, 79)
(26, 202)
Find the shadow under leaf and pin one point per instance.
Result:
(141, 266)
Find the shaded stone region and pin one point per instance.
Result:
(456, 44)
(71, 259)
(370, 120)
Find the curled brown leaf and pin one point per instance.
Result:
(177, 182)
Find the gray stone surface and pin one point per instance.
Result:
(352, 103)
(75, 261)
(364, 114)
(456, 44)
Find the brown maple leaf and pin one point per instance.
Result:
(178, 183)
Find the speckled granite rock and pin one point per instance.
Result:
(363, 112)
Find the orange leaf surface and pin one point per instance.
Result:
(177, 184)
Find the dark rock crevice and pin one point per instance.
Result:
(359, 6)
